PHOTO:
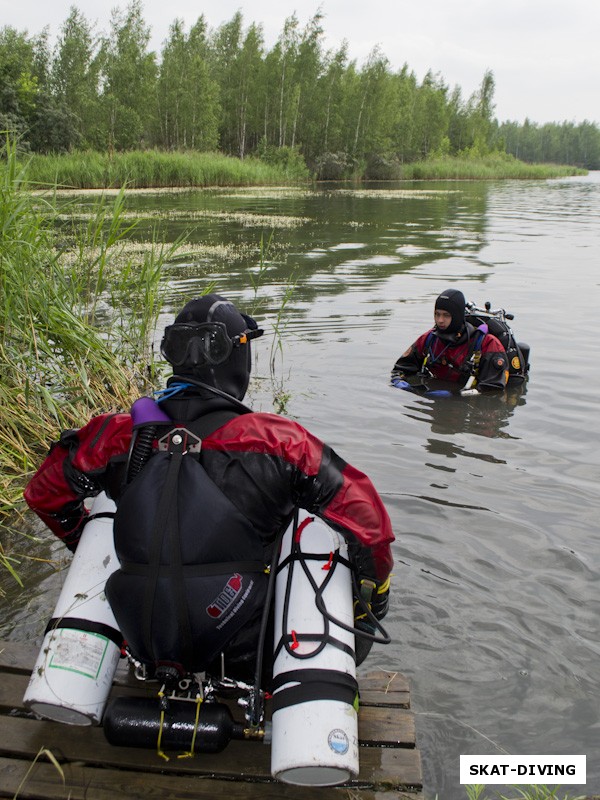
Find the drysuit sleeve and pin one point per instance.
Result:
(357, 511)
(275, 464)
(411, 361)
(493, 366)
(75, 468)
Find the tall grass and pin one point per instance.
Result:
(152, 168)
(496, 166)
(76, 316)
(156, 169)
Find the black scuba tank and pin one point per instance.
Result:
(136, 722)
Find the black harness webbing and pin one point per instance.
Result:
(470, 364)
(166, 528)
(313, 684)
(86, 625)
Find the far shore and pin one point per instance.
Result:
(153, 170)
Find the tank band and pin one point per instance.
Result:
(313, 684)
(86, 626)
(100, 515)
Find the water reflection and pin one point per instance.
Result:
(482, 415)
(345, 238)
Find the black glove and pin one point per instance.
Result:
(362, 645)
(381, 600)
(71, 519)
(377, 599)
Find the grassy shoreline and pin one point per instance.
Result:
(63, 357)
(156, 169)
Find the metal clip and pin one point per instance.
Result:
(180, 440)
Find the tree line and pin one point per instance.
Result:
(223, 89)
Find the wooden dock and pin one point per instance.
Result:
(92, 769)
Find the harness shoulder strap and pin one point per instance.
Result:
(474, 355)
(428, 353)
(209, 423)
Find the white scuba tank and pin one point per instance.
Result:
(75, 668)
(315, 719)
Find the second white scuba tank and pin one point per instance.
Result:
(75, 668)
(315, 694)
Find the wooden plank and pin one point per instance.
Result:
(18, 656)
(88, 783)
(389, 761)
(23, 738)
(384, 727)
(383, 688)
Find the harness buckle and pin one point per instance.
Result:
(180, 440)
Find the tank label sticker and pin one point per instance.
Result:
(79, 651)
(338, 741)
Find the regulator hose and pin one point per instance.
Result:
(255, 711)
(140, 450)
(383, 638)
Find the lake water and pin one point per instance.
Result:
(494, 500)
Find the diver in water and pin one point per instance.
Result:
(203, 486)
(454, 350)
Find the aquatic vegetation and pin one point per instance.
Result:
(76, 316)
(153, 171)
(149, 169)
(246, 219)
(496, 166)
(396, 194)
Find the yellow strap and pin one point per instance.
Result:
(384, 586)
(159, 750)
(190, 752)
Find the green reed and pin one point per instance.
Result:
(496, 166)
(77, 312)
(152, 169)
(158, 169)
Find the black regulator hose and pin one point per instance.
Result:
(213, 389)
(385, 638)
(255, 697)
(140, 450)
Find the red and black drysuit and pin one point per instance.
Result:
(450, 358)
(264, 464)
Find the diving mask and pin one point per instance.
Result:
(198, 343)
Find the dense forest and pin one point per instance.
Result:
(223, 90)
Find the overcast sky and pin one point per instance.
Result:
(545, 54)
